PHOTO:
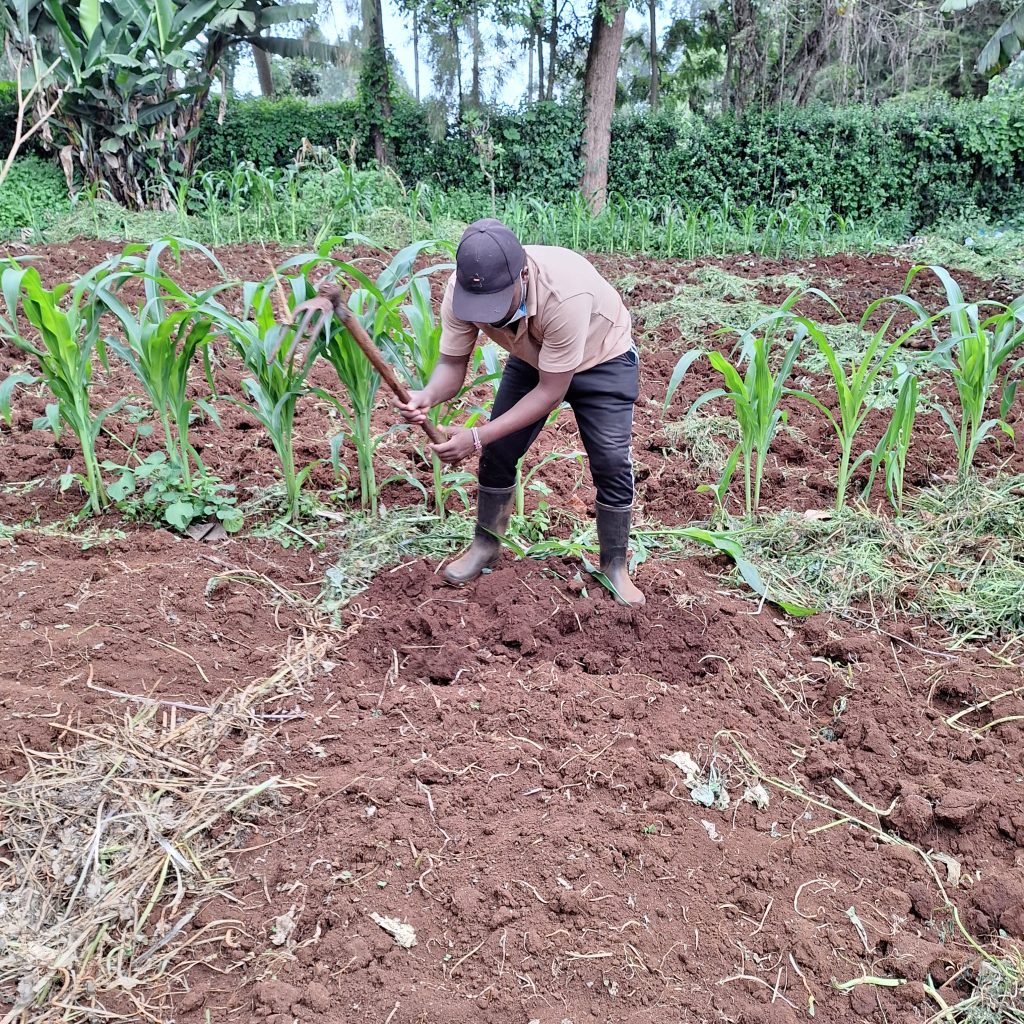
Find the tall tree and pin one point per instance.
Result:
(652, 11)
(375, 80)
(264, 75)
(552, 50)
(599, 100)
(416, 50)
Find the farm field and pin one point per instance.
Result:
(703, 810)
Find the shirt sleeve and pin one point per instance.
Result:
(458, 338)
(564, 334)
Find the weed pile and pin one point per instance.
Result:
(955, 557)
(111, 847)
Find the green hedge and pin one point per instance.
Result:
(921, 162)
(917, 162)
(541, 152)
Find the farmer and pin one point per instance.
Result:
(569, 338)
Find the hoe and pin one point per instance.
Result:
(315, 315)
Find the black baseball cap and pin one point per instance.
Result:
(487, 263)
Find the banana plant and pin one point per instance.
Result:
(67, 342)
(135, 78)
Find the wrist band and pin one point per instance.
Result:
(477, 444)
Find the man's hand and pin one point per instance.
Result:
(459, 445)
(416, 409)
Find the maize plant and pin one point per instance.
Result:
(378, 305)
(854, 384)
(63, 352)
(278, 369)
(891, 451)
(756, 400)
(978, 351)
(160, 344)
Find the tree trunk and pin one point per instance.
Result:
(262, 61)
(416, 51)
(538, 28)
(813, 53)
(599, 104)
(654, 54)
(375, 79)
(474, 25)
(552, 49)
(529, 74)
(453, 34)
(744, 63)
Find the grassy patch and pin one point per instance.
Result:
(713, 298)
(956, 557)
(987, 252)
(998, 996)
(707, 439)
(369, 544)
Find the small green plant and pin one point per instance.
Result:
(526, 482)
(891, 451)
(68, 340)
(160, 344)
(756, 398)
(155, 491)
(854, 383)
(277, 365)
(978, 350)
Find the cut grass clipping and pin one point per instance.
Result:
(110, 850)
(955, 557)
(369, 544)
(713, 298)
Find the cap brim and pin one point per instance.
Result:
(481, 307)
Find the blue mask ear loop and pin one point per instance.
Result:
(519, 313)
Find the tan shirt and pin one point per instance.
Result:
(574, 318)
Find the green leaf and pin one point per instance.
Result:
(89, 17)
(180, 514)
(601, 578)
(231, 519)
(747, 570)
(120, 489)
(7, 389)
(684, 364)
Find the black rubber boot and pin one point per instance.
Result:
(493, 511)
(613, 536)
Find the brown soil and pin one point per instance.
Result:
(490, 763)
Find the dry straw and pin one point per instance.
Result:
(111, 845)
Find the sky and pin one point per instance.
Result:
(398, 36)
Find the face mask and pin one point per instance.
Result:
(517, 315)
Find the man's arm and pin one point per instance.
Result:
(445, 383)
(533, 406)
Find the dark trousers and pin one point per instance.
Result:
(602, 399)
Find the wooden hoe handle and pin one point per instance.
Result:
(331, 291)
